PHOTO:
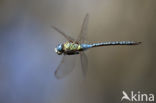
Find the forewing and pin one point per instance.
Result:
(84, 29)
(64, 34)
(66, 66)
(84, 63)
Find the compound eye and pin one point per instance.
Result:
(59, 53)
(60, 47)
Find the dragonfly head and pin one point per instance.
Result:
(59, 49)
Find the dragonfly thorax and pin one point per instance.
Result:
(69, 48)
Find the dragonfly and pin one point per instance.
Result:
(73, 47)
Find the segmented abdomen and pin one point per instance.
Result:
(115, 43)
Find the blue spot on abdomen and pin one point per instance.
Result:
(86, 46)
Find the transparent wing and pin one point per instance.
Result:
(62, 33)
(66, 66)
(84, 28)
(81, 38)
(84, 63)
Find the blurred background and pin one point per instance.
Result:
(28, 60)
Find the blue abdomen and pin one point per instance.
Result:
(115, 43)
(85, 46)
